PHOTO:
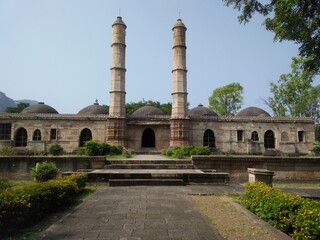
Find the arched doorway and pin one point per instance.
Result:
(269, 140)
(85, 135)
(148, 138)
(209, 139)
(21, 138)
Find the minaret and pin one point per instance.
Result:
(179, 117)
(116, 124)
(118, 70)
(179, 71)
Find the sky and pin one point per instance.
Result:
(59, 52)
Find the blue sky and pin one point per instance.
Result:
(59, 52)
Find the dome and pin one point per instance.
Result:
(253, 111)
(179, 23)
(39, 108)
(94, 109)
(147, 111)
(200, 111)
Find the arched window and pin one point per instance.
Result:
(209, 139)
(36, 135)
(284, 137)
(85, 135)
(21, 138)
(269, 140)
(148, 138)
(254, 136)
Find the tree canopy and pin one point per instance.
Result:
(294, 94)
(226, 100)
(18, 108)
(295, 20)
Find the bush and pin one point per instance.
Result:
(55, 149)
(22, 207)
(44, 171)
(116, 150)
(290, 213)
(4, 184)
(316, 147)
(200, 150)
(7, 151)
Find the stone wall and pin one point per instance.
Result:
(18, 167)
(286, 169)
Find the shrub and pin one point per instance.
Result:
(79, 178)
(7, 151)
(200, 150)
(4, 184)
(178, 152)
(22, 207)
(44, 171)
(316, 147)
(55, 149)
(81, 151)
(127, 153)
(116, 150)
(290, 213)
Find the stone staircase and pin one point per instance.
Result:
(153, 170)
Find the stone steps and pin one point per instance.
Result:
(151, 172)
(149, 166)
(145, 182)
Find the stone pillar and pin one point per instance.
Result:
(118, 70)
(179, 71)
(179, 116)
(117, 125)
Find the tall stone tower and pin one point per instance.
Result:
(116, 130)
(179, 116)
(118, 69)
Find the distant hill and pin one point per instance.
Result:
(9, 102)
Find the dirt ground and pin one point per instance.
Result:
(229, 220)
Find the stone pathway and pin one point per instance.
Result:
(138, 213)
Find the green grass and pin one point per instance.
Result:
(30, 233)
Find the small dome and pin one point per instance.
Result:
(200, 111)
(179, 23)
(147, 111)
(39, 108)
(94, 109)
(253, 112)
(119, 21)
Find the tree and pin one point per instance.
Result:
(294, 94)
(226, 100)
(295, 20)
(18, 108)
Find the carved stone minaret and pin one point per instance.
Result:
(118, 69)
(179, 116)
(117, 125)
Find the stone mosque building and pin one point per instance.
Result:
(148, 129)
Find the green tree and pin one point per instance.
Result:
(18, 108)
(294, 94)
(294, 20)
(226, 100)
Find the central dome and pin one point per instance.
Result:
(200, 111)
(94, 109)
(147, 111)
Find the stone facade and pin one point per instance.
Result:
(252, 131)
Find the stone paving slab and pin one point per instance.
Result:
(138, 213)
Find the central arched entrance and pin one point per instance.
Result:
(148, 138)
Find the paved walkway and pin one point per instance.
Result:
(138, 213)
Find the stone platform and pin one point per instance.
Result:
(153, 170)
